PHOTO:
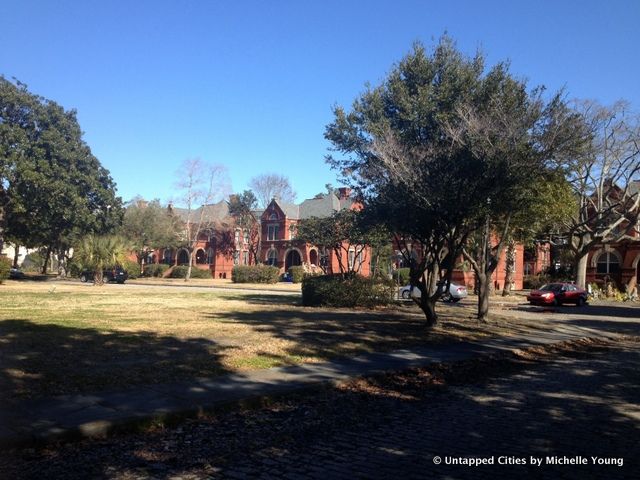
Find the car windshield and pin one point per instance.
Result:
(551, 287)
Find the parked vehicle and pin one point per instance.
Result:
(115, 274)
(455, 294)
(557, 294)
(16, 273)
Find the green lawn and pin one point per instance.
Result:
(58, 338)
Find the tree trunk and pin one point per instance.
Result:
(580, 267)
(47, 258)
(4, 200)
(510, 268)
(428, 306)
(98, 276)
(16, 256)
(484, 292)
(188, 275)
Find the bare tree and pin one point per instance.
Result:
(270, 185)
(201, 184)
(605, 180)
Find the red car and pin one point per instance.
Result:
(557, 294)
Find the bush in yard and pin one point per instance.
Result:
(181, 272)
(350, 291)
(155, 270)
(296, 274)
(401, 276)
(534, 282)
(131, 267)
(255, 274)
(5, 268)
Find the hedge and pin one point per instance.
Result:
(181, 272)
(401, 276)
(296, 274)
(5, 268)
(155, 270)
(352, 291)
(131, 267)
(255, 274)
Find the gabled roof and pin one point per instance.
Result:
(320, 206)
(215, 212)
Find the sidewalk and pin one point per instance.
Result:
(89, 415)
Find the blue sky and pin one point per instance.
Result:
(250, 84)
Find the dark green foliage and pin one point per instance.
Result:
(52, 188)
(401, 276)
(33, 262)
(533, 282)
(296, 274)
(443, 148)
(255, 274)
(131, 267)
(181, 272)
(149, 225)
(5, 268)
(155, 270)
(349, 291)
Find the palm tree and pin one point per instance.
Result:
(97, 252)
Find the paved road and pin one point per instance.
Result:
(571, 409)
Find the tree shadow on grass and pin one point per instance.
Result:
(42, 360)
(329, 333)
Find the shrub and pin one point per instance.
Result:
(296, 274)
(155, 270)
(401, 276)
(534, 282)
(181, 272)
(131, 267)
(5, 268)
(255, 274)
(352, 291)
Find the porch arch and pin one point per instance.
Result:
(292, 258)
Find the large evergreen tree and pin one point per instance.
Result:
(445, 148)
(52, 189)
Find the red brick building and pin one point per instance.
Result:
(279, 227)
(222, 245)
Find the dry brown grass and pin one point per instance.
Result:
(63, 338)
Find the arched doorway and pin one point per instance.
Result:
(292, 259)
(313, 257)
(183, 257)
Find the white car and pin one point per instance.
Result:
(455, 294)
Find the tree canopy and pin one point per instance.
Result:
(440, 147)
(52, 188)
(268, 186)
(147, 225)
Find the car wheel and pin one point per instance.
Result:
(581, 301)
(84, 278)
(446, 298)
(121, 282)
(454, 300)
(405, 294)
(555, 302)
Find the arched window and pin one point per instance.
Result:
(608, 262)
(272, 257)
(273, 216)
(201, 257)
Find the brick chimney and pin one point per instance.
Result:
(344, 193)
